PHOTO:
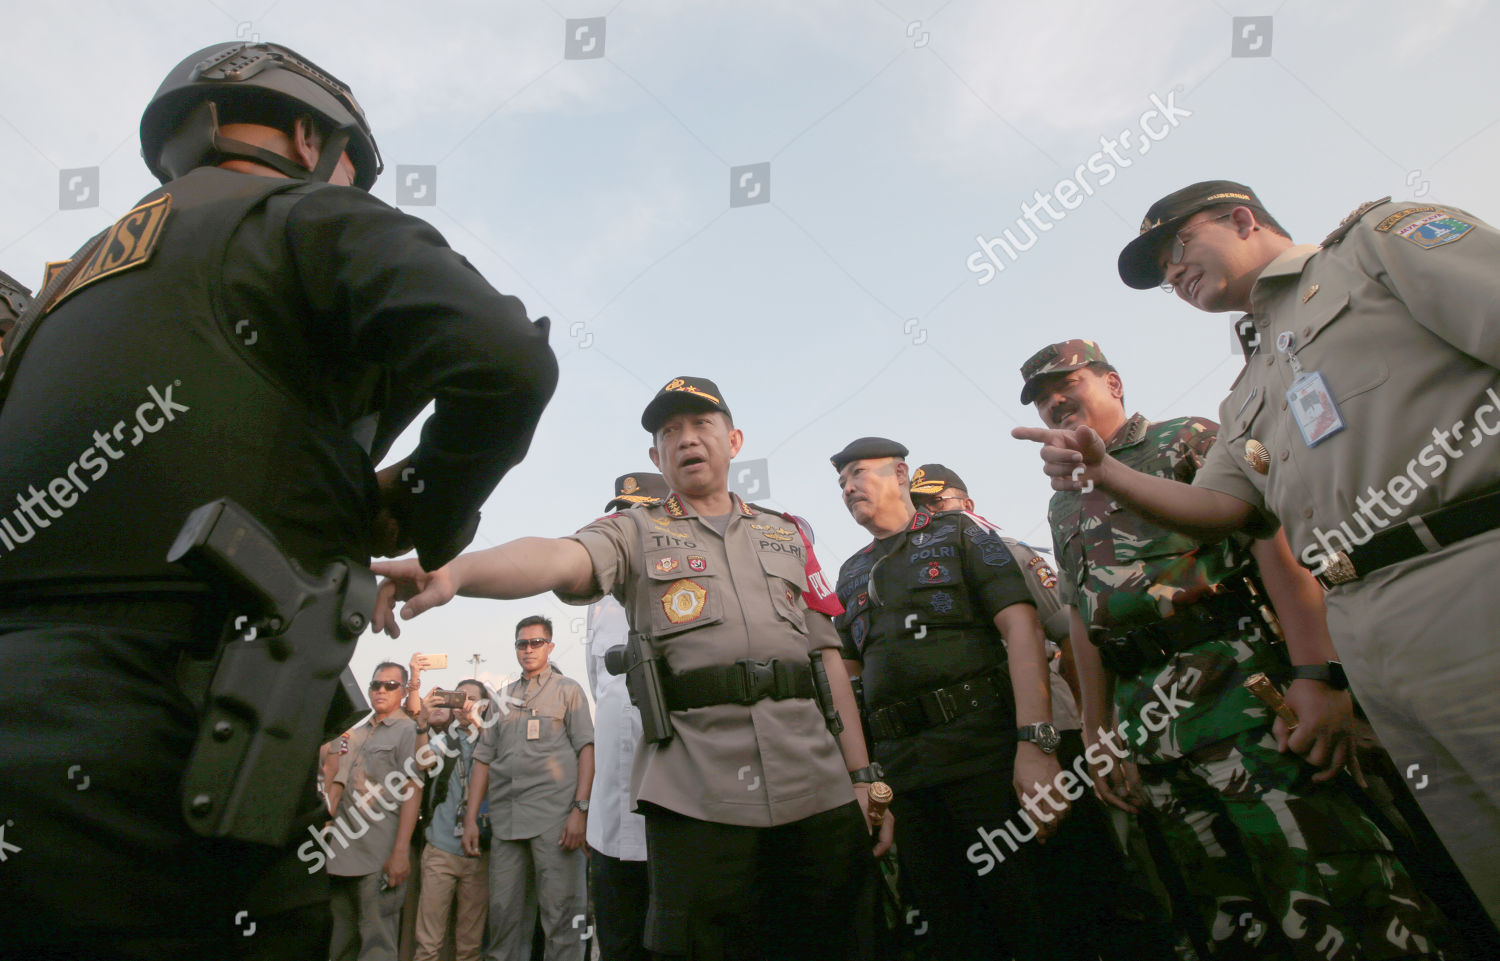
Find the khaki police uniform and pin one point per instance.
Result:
(1399, 312)
(708, 600)
(757, 847)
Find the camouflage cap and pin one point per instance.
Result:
(930, 479)
(1140, 261)
(1057, 358)
(643, 487)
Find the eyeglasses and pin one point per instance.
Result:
(936, 503)
(386, 685)
(1178, 247)
(532, 642)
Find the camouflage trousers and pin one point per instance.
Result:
(1281, 867)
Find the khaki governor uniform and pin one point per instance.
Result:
(710, 600)
(1399, 311)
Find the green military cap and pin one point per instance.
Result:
(682, 394)
(1140, 261)
(934, 479)
(1057, 358)
(639, 488)
(864, 448)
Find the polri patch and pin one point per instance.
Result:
(684, 601)
(129, 243)
(1434, 230)
(666, 565)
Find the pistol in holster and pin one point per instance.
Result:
(281, 685)
(638, 661)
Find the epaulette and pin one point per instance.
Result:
(1347, 224)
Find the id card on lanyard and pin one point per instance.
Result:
(1309, 399)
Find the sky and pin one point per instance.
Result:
(793, 199)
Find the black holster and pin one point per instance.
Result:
(638, 661)
(281, 685)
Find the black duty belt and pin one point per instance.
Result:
(1152, 645)
(743, 682)
(941, 706)
(1421, 534)
(198, 618)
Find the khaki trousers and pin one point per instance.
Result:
(444, 877)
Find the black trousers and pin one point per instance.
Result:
(721, 892)
(1010, 896)
(620, 892)
(94, 738)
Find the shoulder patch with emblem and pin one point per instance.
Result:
(1434, 230)
(1385, 225)
(1347, 224)
(129, 243)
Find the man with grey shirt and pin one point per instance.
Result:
(537, 762)
(375, 806)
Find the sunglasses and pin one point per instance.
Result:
(531, 642)
(386, 685)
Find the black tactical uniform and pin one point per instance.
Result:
(919, 616)
(254, 337)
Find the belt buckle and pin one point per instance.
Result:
(1340, 571)
(759, 679)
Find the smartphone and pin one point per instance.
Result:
(433, 662)
(454, 699)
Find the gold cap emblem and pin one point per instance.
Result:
(1257, 456)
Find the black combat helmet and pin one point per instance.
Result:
(180, 128)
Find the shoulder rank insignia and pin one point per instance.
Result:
(129, 243)
(1347, 224)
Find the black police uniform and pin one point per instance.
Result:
(246, 335)
(919, 616)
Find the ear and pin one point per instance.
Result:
(969, 504)
(903, 471)
(655, 457)
(736, 441)
(304, 144)
(1243, 219)
(1116, 385)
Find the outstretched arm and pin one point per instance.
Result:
(520, 568)
(1076, 460)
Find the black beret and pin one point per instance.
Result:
(866, 447)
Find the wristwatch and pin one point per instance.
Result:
(1331, 674)
(868, 774)
(1043, 735)
(581, 805)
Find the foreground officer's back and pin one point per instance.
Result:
(254, 331)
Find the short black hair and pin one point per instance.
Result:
(385, 664)
(534, 621)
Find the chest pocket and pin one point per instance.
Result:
(1328, 340)
(785, 576)
(684, 591)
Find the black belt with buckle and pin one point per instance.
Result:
(743, 682)
(941, 706)
(1152, 645)
(1421, 534)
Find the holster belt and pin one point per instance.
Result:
(743, 682)
(941, 706)
(1151, 645)
(1419, 535)
(196, 618)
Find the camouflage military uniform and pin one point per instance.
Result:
(1301, 850)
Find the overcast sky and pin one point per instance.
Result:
(845, 292)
